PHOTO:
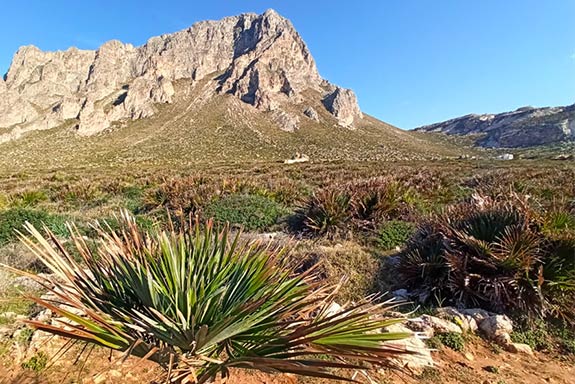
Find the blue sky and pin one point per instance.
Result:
(411, 62)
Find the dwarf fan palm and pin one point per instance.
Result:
(199, 303)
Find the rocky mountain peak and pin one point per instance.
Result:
(260, 59)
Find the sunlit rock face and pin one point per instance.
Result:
(260, 59)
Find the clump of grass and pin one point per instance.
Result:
(452, 340)
(252, 212)
(28, 198)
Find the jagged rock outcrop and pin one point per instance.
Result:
(342, 103)
(524, 127)
(261, 59)
(311, 113)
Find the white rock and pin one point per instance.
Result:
(431, 325)
(416, 361)
(497, 328)
(519, 348)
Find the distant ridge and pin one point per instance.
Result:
(524, 127)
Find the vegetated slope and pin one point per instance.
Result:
(524, 127)
(200, 127)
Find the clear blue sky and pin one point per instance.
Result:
(411, 62)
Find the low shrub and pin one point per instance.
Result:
(394, 234)
(28, 198)
(493, 254)
(359, 205)
(36, 363)
(327, 212)
(252, 212)
(452, 340)
(14, 218)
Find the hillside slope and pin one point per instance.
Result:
(213, 130)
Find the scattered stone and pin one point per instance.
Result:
(469, 356)
(416, 361)
(298, 158)
(519, 348)
(466, 322)
(311, 113)
(431, 325)
(477, 314)
(334, 309)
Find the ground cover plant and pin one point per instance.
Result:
(199, 303)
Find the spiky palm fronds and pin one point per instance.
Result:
(327, 211)
(200, 303)
(493, 254)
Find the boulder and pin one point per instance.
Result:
(311, 113)
(431, 325)
(519, 348)
(466, 322)
(497, 328)
(420, 356)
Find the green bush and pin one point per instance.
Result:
(395, 234)
(13, 219)
(36, 363)
(29, 198)
(452, 340)
(253, 212)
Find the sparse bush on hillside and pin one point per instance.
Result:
(198, 303)
(13, 219)
(252, 212)
(492, 254)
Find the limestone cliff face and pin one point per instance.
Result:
(261, 59)
(524, 127)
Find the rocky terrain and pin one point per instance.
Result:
(260, 59)
(524, 127)
(243, 88)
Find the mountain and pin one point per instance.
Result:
(243, 87)
(524, 127)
